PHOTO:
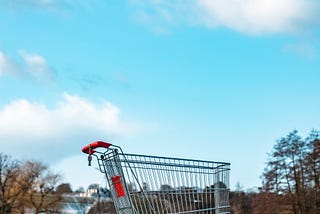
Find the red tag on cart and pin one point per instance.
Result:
(118, 186)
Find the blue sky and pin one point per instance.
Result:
(202, 79)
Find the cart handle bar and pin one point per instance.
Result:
(89, 149)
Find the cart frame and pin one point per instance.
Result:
(144, 184)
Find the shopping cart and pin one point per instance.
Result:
(143, 184)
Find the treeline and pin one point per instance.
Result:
(291, 179)
(27, 187)
(290, 183)
(30, 187)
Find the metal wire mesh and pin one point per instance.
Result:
(153, 184)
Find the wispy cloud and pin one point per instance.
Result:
(161, 15)
(33, 66)
(301, 49)
(46, 5)
(254, 17)
(8, 65)
(32, 129)
(36, 4)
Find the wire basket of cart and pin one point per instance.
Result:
(144, 184)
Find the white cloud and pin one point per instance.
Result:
(247, 16)
(31, 129)
(301, 49)
(32, 65)
(260, 16)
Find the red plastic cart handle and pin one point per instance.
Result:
(89, 149)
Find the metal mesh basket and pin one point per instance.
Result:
(150, 184)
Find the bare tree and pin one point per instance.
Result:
(293, 171)
(27, 185)
(312, 162)
(42, 185)
(11, 187)
(291, 179)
